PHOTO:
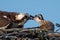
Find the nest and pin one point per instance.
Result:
(25, 34)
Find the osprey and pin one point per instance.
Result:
(13, 19)
(45, 25)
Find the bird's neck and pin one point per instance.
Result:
(42, 22)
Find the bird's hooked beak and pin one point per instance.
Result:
(31, 17)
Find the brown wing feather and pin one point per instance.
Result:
(3, 21)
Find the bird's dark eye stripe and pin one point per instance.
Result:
(26, 16)
(35, 15)
(38, 17)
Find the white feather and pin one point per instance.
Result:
(5, 16)
(20, 16)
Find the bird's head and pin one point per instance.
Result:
(38, 17)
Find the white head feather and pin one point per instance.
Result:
(20, 16)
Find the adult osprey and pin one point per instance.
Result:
(45, 25)
(13, 19)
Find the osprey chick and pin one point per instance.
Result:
(45, 25)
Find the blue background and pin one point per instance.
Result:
(50, 9)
